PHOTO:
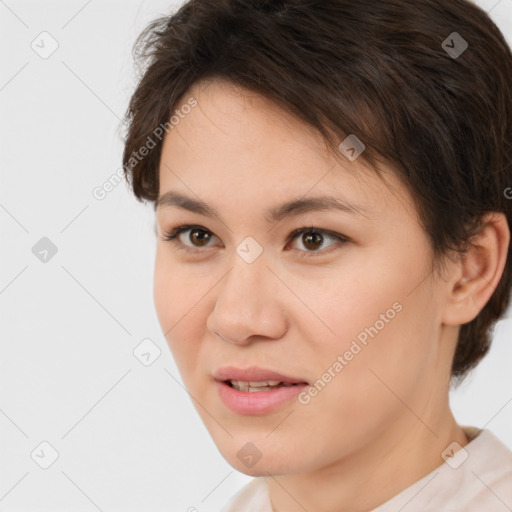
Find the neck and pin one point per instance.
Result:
(392, 461)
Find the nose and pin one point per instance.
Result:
(247, 304)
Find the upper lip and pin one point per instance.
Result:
(252, 374)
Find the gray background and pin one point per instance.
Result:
(127, 435)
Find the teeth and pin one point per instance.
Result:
(254, 384)
(265, 385)
(261, 383)
(255, 390)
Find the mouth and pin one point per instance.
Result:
(255, 376)
(255, 390)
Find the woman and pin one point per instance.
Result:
(330, 181)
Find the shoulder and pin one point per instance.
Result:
(477, 477)
(486, 474)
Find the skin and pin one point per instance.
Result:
(384, 420)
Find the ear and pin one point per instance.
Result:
(478, 271)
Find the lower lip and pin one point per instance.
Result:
(257, 402)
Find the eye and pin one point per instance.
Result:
(312, 238)
(199, 237)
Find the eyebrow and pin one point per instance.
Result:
(273, 215)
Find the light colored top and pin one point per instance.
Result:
(477, 478)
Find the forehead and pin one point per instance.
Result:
(235, 139)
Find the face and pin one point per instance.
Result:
(348, 308)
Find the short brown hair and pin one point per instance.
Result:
(381, 70)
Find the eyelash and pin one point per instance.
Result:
(172, 235)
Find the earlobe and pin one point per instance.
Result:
(479, 271)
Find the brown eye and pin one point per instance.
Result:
(315, 241)
(199, 237)
(312, 241)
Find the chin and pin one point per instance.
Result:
(261, 468)
(258, 470)
(263, 463)
(254, 453)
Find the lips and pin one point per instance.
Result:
(255, 376)
(256, 391)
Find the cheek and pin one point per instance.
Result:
(391, 369)
(369, 388)
(179, 301)
(372, 327)
(175, 291)
(359, 304)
